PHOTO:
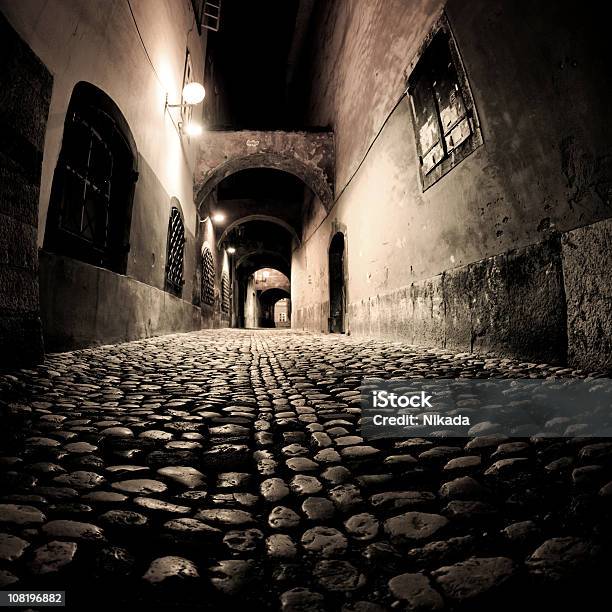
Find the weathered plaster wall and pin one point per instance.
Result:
(541, 93)
(104, 307)
(251, 305)
(25, 91)
(98, 42)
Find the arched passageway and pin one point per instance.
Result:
(282, 313)
(462, 238)
(260, 215)
(264, 288)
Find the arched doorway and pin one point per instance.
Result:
(337, 298)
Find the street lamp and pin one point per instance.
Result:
(217, 217)
(193, 93)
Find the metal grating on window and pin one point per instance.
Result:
(91, 195)
(225, 292)
(176, 249)
(207, 289)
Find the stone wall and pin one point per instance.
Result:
(507, 304)
(99, 43)
(587, 271)
(25, 92)
(470, 262)
(83, 305)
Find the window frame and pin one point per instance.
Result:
(93, 114)
(172, 286)
(225, 292)
(207, 281)
(451, 158)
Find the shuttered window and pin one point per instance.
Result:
(444, 119)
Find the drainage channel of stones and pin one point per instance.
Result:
(226, 468)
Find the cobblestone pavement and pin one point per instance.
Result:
(225, 468)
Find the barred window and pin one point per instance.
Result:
(207, 289)
(225, 292)
(91, 199)
(176, 249)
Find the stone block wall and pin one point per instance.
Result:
(587, 273)
(25, 93)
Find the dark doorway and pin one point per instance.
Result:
(336, 284)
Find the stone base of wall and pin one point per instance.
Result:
(587, 271)
(508, 304)
(82, 305)
(549, 302)
(314, 317)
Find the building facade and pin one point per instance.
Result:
(121, 243)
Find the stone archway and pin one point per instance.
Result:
(307, 155)
(249, 218)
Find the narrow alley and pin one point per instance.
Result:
(228, 227)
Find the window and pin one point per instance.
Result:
(207, 14)
(444, 118)
(91, 199)
(176, 248)
(225, 292)
(207, 289)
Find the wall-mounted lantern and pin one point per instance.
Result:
(193, 93)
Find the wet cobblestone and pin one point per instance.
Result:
(221, 467)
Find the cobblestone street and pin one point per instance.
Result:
(225, 468)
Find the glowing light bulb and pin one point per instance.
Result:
(193, 93)
(193, 129)
(231, 250)
(218, 217)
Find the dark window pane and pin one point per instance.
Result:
(95, 218)
(426, 118)
(100, 166)
(73, 196)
